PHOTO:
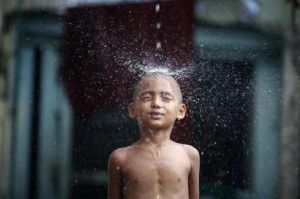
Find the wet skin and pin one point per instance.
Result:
(155, 167)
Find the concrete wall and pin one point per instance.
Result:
(3, 109)
(290, 134)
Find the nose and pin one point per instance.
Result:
(156, 102)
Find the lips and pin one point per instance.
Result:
(155, 114)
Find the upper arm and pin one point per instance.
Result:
(194, 173)
(114, 174)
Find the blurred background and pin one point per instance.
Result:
(67, 72)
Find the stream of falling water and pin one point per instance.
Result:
(158, 26)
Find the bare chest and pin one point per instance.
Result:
(150, 170)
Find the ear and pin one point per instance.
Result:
(181, 112)
(131, 111)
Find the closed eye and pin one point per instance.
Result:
(165, 98)
(146, 96)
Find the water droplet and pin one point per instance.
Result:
(158, 45)
(157, 8)
(158, 25)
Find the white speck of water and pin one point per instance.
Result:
(158, 45)
(118, 168)
(157, 8)
(158, 25)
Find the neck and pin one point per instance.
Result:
(155, 137)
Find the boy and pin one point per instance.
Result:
(155, 167)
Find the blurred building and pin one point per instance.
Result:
(56, 133)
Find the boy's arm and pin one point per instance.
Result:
(194, 173)
(114, 175)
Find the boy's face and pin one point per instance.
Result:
(157, 103)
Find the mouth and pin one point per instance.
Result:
(155, 114)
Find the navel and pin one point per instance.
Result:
(179, 180)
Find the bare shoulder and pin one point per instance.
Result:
(191, 151)
(118, 156)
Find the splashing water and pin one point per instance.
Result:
(144, 63)
(167, 69)
(178, 73)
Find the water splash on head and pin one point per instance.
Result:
(148, 68)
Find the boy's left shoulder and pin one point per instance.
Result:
(191, 151)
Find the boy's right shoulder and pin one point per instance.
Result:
(119, 154)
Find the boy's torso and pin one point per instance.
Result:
(150, 173)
